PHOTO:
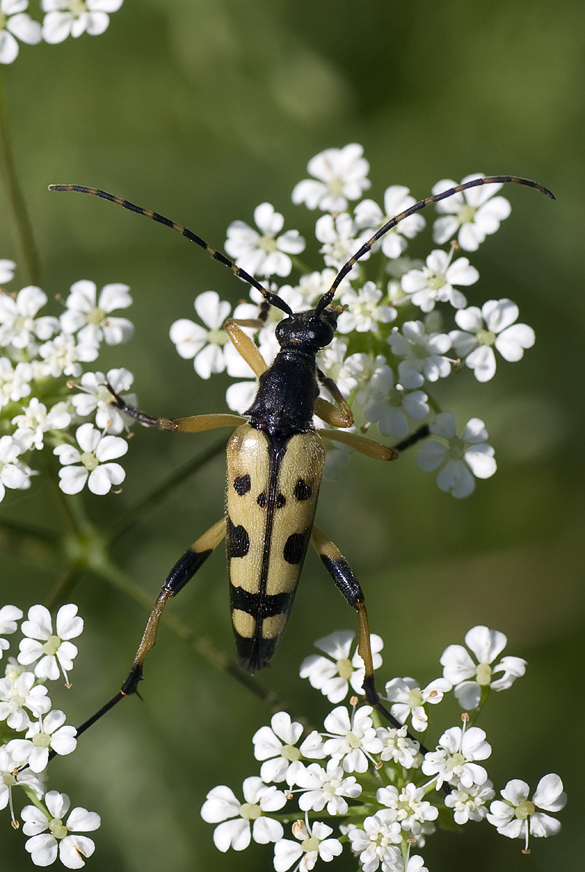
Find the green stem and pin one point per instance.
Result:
(22, 224)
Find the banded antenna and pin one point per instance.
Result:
(327, 298)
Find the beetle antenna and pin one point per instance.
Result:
(327, 298)
(271, 299)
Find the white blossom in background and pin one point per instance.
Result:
(340, 239)
(18, 324)
(276, 745)
(423, 353)
(398, 746)
(469, 676)
(91, 315)
(472, 214)
(341, 174)
(263, 253)
(469, 803)
(9, 615)
(487, 328)
(95, 397)
(396, 200)
(461, 459)
(18, 695)
(409, 700)
(63, 355)
(47, 734)
(517, 816)
(334, 674)
(365, 310)
(376, 842)
(36, 421)
(454, 759)
(53, 649)
(13, 474)
(8, 780)
(204, 346)
(244, 821)
(73, 17)
(436, 282)
(7, 267)
(326, 788)
(62, 838)
(90, 463)
(15, 22)
(388, 403)
(409, 805)
(14, 381)
(313, 843)
(351, 739)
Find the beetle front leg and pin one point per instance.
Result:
(191, 424)
(181, 573)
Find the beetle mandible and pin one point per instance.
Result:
(275, 461)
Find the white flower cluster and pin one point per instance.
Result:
(382, 788)
(31, 731)
(41, 358)
(62, 18)
(392, 343)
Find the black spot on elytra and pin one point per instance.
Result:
(296, 546)
(261, 500)
(280, 501)
(302, 490)
(242, 484)
(238, 541)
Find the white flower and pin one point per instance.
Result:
(48, 734)
(276, 745)
(476, 211)
(353, 740)
(7, 267)
(435, 282)
(14, 21)
(340, 242)
(333, 675)
(54, 651)
(61, 838)
(62, 355)
(408, 699)
(342, 175)
(17, 317)
(240, 396)
(14, 381)
(194, 341)
(376, 842)
(36, 421)
(364, 311)
(247, 820)
(9, 615)
(388, 403)
(462, 456)
(398, 746)
(96, 397)
(423, 353)
(517, 817)
(453, 761)
(12, 474)
(8, 779)
(314, 844)
(396, 200)
(326, 787)
(410, 808)
(469, 803)
(74, 17)
(482, 330)
(470, 677)
(19, 694)
(94, 468)
(91, 316)
(264, 253)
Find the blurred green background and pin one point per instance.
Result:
(201, 109)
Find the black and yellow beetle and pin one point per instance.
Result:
(275, 462)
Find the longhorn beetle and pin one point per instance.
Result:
(275, 461)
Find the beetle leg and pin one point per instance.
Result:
(192, 424)
(181, 573)
(337, 416)
(245, 346)
(360, 443)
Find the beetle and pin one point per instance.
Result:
(275, 460)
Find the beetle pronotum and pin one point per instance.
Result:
(275, 461)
